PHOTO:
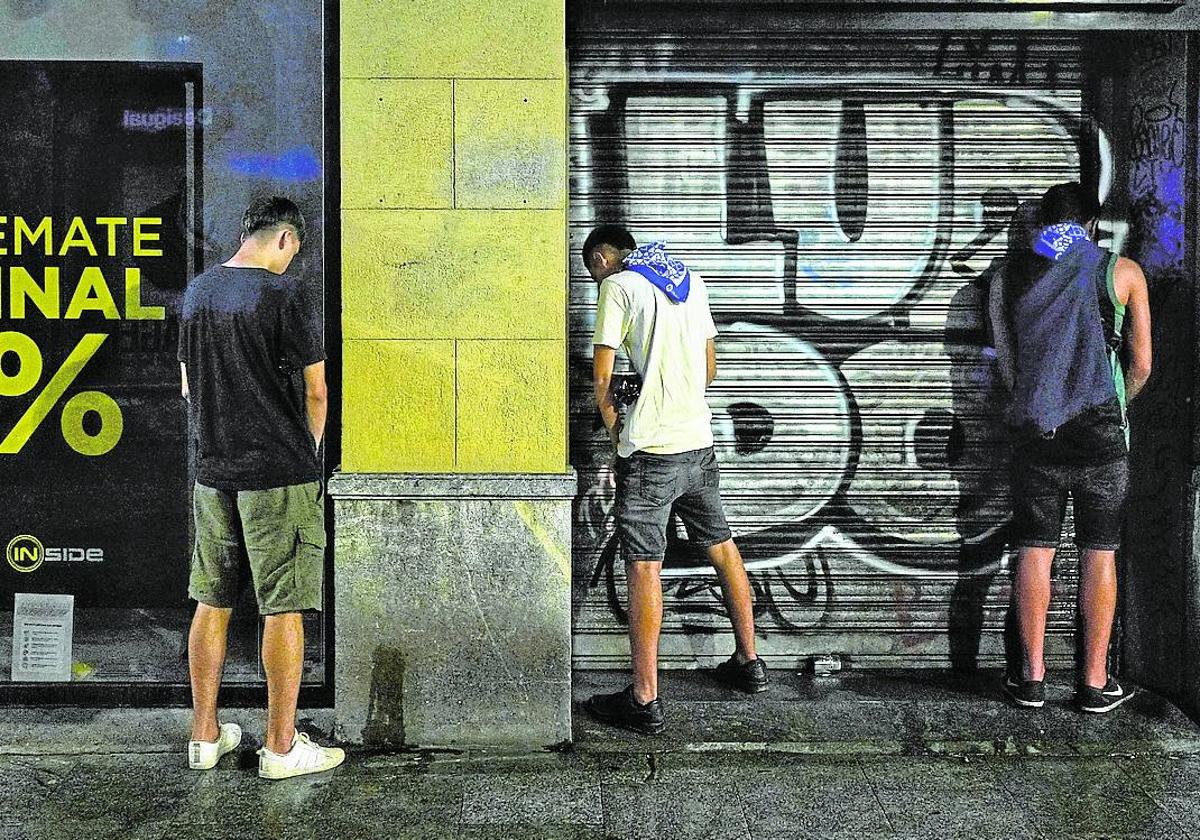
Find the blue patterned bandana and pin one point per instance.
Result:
(660, 268)
(1054, 241)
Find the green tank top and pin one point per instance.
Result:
(1118, 324)
(1114, 357)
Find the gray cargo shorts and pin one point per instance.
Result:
(649, 486)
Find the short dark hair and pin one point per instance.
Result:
(1068, 202)
(614, 235)
(270, 213)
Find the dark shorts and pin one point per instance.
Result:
(1099, 494)
(649, 486)
(282, 531)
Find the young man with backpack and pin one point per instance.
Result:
(656, 310)
(1069, 309)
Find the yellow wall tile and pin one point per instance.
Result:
(398, 406)
(454, 38)
(510, 143)
(397, 144)
(512, 406)
(453, 274)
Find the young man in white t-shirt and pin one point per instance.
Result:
(656, 311)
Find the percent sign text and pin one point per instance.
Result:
(29, 371)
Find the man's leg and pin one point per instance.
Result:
(1097, 608)
(703, 515)
(206, 660)
(645, 623)
(1101, 496)
(1031, 600)
(735, 587)
(1039, 492)
(643, 506)
(645, 490)
(285, 540)
(286, 752)
(213, 584)
(283, 660)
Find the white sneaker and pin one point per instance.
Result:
(304, 757)
(204, 755)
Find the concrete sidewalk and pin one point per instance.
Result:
(679, 795)
(863, 756)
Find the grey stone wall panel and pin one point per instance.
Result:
(453, 614)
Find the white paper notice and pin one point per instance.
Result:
(42, 629)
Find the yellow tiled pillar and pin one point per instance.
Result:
(454, 190)
(452, 504)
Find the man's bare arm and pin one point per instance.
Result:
(183, 386)
(1131, 284)
(316, 400)
(603, 359)
(1001, 335)
(711, 352)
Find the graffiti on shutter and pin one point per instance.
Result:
(844, 200)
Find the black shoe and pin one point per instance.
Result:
(1030, 694)
(1100, 700)
(750, 677)
(621, 709)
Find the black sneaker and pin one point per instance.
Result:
(1029, 694)
(1100, 700)
(621, 709)
(750, 677)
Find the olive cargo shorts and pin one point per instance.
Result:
(283, 531)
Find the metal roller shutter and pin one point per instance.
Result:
(842, 196)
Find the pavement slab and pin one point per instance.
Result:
(525, 832)
(1183, 809)
(1128, 815)
(1085, 797)
(981, 812)
(110, 799)
(918, 774)
(785, 795)
(359, 800)
(27, 782)
(563, 798)
(1164, 774)
(687, 809)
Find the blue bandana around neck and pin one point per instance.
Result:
(660, 268)
(1055, 240)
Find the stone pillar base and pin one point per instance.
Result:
(452, 597)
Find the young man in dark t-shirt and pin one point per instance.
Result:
(253, 369)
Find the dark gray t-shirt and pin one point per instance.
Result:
(246, 336)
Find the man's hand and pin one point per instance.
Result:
(603, 359)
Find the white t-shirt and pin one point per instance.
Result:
(666, 343)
